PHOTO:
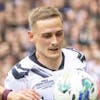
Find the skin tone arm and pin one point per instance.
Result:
(1, 91)
(21, 95)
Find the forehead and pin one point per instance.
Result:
(49, 25)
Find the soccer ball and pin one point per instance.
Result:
(75, 85)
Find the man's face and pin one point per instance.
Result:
(49, 37)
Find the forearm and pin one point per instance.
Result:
(1, 91)
(4, 93)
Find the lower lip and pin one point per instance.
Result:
(54, 50)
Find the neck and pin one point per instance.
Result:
(50, 63)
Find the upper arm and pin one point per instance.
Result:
(14, 84)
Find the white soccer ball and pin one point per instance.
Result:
(75, 85)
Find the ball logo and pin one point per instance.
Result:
(64, 87)
(86, 89)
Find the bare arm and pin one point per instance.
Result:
(24, 95)
(21, 95)
(1, 91)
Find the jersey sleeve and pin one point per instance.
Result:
(82, 63)
(82, 60)
(75, 59)
(14, 81)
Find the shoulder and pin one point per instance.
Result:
(22, 68)
(70, 51)
(73, 53)
(74, 58)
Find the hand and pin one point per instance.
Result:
(24, 95)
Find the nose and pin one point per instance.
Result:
(54, 40)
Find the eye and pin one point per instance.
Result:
(59, 33)
(47, 35)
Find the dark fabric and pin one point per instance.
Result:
(5, 94)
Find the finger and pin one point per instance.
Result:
(31, 94)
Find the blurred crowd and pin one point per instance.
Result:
(81, 28)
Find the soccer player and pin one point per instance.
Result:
(40, 70)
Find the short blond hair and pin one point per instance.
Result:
(43, 13)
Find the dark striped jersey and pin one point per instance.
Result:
(30, 73)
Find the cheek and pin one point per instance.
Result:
(44, 42)
(61, 39)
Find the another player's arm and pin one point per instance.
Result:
(29, 94)
(1, 91)
(4, 93)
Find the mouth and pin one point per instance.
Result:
(54, 49)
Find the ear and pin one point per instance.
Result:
(30, 36)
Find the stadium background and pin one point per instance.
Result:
(81, 28)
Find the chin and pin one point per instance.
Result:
(53, 56)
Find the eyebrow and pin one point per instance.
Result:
(51, 32)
